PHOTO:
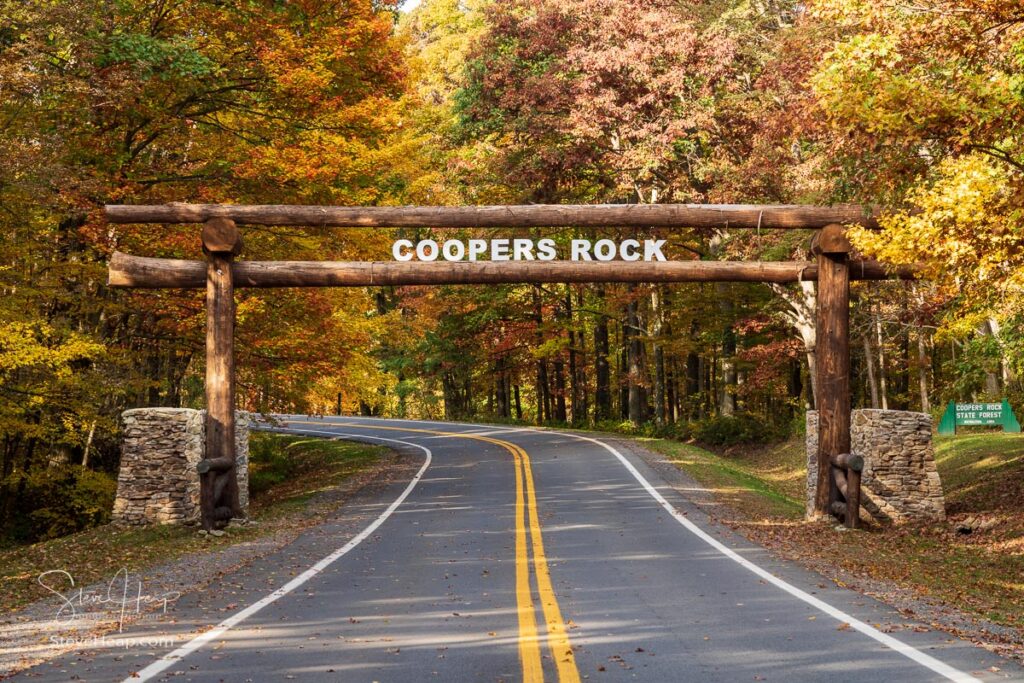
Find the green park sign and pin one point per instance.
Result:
(978, 414)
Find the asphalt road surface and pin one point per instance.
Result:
(525, 555)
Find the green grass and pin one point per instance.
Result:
(981, 471)
(762, 491)
(285, 473)
(282, 467)
(740, 480)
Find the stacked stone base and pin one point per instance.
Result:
(899, 484)
(158, 482)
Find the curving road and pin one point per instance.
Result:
(526, 555)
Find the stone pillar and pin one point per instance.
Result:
(900, 483)
(243, 420)
(157, 482)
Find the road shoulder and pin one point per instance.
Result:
(35, 634)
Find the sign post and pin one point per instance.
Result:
(980, 415)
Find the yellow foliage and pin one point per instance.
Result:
(962, 231)
(32, 345)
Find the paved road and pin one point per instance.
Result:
(522, 555)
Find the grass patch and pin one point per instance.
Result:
(737, 481)
(983, 478)
(285, 472)
(981, 472)
(284, 467)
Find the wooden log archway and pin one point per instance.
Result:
(838, 486)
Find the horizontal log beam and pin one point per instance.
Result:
(785, 216)
(153, 273)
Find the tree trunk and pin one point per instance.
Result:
(796, 381)
(883, 391)
(903, 377)
(602, 371)
(989, 328)
(574, 388)
(727, 402)
(88, 445)
(658, 318)
(26, 466)
(635, 368)
(577, 374)
(561, 414)
(449, 390)
(693, 375)
(801, 315)
(623, 372)
(869, 363)
(543, 395)
(11, 446)
(922, 370)
(501, 398)
(580, 416)
(670, 391)
(1008, 375)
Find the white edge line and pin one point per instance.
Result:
(907, 651)
(191, 646)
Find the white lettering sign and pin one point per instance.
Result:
(527, 250)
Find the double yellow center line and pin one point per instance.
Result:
(526, 518)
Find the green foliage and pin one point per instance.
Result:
(280, 463)
(731, 430)
(64, 499)
(978, 356)
(140, 102)
(149, 56)
(518, 101)
(269, 464)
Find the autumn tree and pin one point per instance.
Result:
(185, 100)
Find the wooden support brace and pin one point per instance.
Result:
(849, 461)
(839, 479)
(222, 464)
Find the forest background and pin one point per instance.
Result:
(915, 108)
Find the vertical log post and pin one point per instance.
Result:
(833, 355)
(218, 480)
